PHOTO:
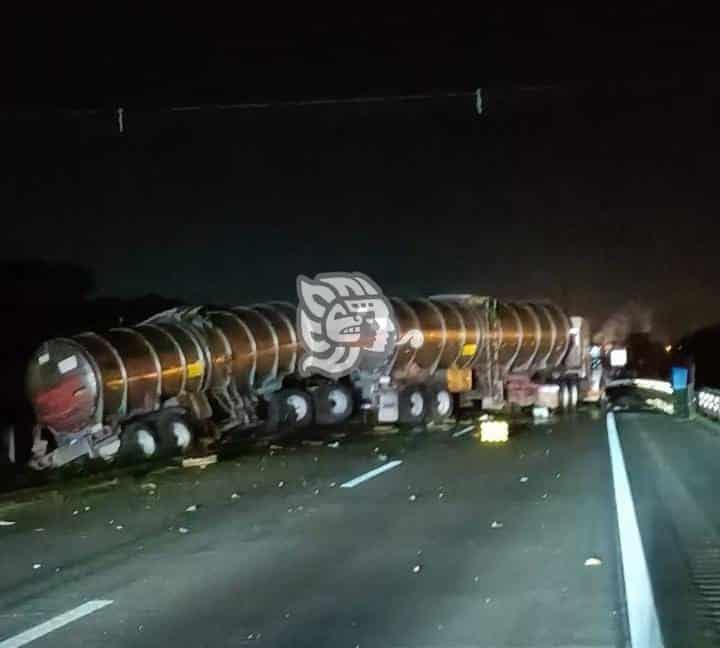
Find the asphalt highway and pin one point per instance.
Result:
(409, 538)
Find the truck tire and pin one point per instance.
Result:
(333, 403)
(564, 396)
(574, 394)
(412, 405)
(440, 404)
(174, 433)
(277, 415)
(138, 441)
(300, 404)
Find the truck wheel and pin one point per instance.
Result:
(138, 441)
(278, 414)
(412, 405)
(574, 394)
(174, 433)
(439, 404)
(333, 403)
(301, 406)
(564, 396)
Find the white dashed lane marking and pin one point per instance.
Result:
(368, 475)
(53, 624)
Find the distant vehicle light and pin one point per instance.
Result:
(668, 348)
(618, 357)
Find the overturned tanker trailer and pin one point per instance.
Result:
(188, 375)
(484, 351)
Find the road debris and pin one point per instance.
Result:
(199, 462)
(547, 452)
(477, 579)
(441, 495)
(523, 479)
(334, 444)
(149, 486)
(234, 496)
(39, 530)
(312, 442)
(191, 509)
(76, 512)
(86, 508)
(281, 484)
(544, 496)
(37, 565)
(183, 530)
(496, 525)
(417, 569)
(333, 484)
(6, 523)
(119, 527)
(383, 457)
(316, 491)
(276, 447)
(593, 562)
(254, 635)
(487, 600)
(557, 475)
(412, 497)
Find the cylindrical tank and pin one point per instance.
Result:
(76, 382)
(457, 330)
(454, 332)
(530, 336)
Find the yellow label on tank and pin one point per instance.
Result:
(194, 370)
(469, 349)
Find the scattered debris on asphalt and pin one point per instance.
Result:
(149, 486)
(281, 484)
(416, 569)
(383, 457)
(334, 444)
(183, 530)
(37, 565)
(119, 527)
(191, 509)
(86, 508)
(412, 497)
(523, 479)
(234, 496)
(199, 462)
(496, 525)
(593, 562)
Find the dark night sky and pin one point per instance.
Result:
(590, 178)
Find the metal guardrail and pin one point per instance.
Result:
(708, 403)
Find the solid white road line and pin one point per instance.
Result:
(459, 433)
(364, 477)
(642, 615)
(53, 624)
